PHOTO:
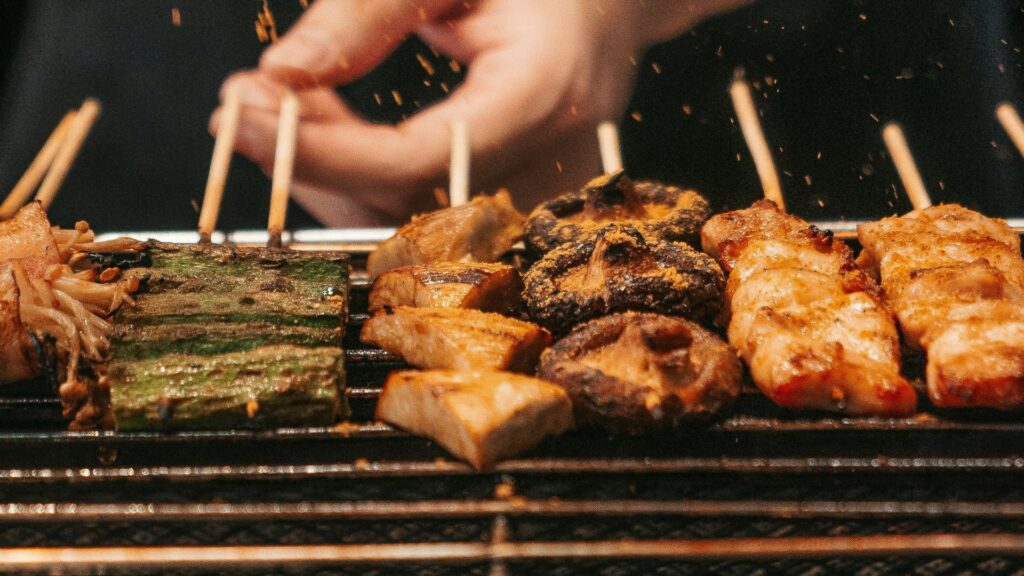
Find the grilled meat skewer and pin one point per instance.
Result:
(809, 323)
(955, 279)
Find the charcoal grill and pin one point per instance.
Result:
(762, 492)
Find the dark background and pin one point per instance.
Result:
(827, 75)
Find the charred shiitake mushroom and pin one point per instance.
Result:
(616, 270)
(635, 373)
(657, 210)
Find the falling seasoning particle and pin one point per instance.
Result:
(265, 22)
(807, 179)
(396, 97)
(819, 155)
(636, 116)
(176, 17)
(769, 57)
(863, 17)
(444, 87)
(377, 99)
(769, 80)
(873, 117)
(687, 110)
(942, 185)
(252, 407)
(656, 67)
(455, 66)
(632, 60)
(441, 196)
(426, 82)
(425, 64)
(558, 166)
(821, 202)
(739, 157)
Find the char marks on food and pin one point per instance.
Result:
(809, 323)
(481, 416)
(479, 231)
(456, 338)
(955, 280)
(658, 211)
(635, 373)
(477, 285)
(616, 270)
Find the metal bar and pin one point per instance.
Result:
(176, 557)
(518, 507)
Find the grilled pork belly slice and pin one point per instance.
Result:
(479, 231)
(456, 338)
(633, 373)
(618, 270)
(808, 322)
(481, 286)
(27, 237)
(657, 210)
(480, 416)
(955, 279)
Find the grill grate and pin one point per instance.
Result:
(763, 492)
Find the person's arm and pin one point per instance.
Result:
(542, 74)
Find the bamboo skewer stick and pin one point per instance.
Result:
(896, 143)
(458, 171)
(284, 162)
(611, 149)
(37, 169)
(746, 113)
(1012, 123)
(65, 157)
(219, 164)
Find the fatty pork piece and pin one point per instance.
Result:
(481, 286)
(634, 373)
(480, 416)
(657, 210)
(458, 339)
(617, 270)
(955, 279)
(27, 237)
(479, 231)
(810, 324)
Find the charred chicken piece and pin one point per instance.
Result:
(634, 373)
(481, 286)
(617, 270)
(479, 231)
(657, 210)
(955, 279)
(457, 339)
(481, 416)
(810, 324)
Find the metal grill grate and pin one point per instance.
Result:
(763, 492)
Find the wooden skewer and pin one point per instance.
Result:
(219, 164)
(284, 162)
(458, 171)
(77, 132)
(746, 113)
(37, 169)
(611, 149)
(896, 142)
(1012, 123)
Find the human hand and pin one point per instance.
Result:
(542, 74)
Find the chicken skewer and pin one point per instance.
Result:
(898, 148)
(746, 113)
(284, 162)
(955, 280)
(219, 164)
(810, 324)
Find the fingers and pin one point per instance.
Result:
(337, 41)
(257, 90)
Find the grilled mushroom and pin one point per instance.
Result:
(617, 270)
(657, 210)
(635, 373)
(479, 231)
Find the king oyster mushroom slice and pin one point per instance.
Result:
(479, 231)
(657, 210)
(634, 373)
(616, 270)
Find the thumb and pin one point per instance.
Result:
(337, 41)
